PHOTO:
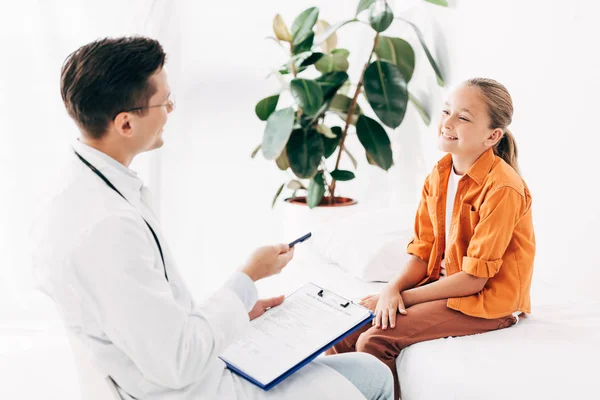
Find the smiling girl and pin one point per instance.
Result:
(473, 246)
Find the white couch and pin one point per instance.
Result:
(550, 354)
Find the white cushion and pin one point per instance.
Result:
(369, 245)
(547, 355)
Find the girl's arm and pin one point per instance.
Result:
(457, 285)
(413, 272)
(499, 214)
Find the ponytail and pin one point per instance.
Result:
(506, 149)
(500, 110)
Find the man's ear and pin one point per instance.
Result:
(122, 124)
(494, 137)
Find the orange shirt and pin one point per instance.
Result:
(491, 235)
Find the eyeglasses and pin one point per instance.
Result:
(170, 104)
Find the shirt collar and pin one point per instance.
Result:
(478, 170)
(123, 178)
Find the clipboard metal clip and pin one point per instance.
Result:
(346, 304)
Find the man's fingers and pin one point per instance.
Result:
(287, 256)
(283, 248)
(384, 319)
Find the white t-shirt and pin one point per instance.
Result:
(451, 194)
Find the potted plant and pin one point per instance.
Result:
(301, 136)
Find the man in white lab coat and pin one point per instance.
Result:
(101, 255)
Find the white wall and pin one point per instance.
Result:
(543, 51)
(215, 201)
(35, 131)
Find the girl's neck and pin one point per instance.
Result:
(461, 164)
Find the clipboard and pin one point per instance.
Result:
(243, 365)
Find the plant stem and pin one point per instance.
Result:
(350, 111)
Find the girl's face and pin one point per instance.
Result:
(464, 128)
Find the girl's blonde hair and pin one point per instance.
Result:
(500, 109)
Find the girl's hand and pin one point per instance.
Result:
(370, 301)
(389, 303)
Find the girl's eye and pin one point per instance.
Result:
(464, 119)
(445, 112)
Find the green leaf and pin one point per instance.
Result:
(345, 88)
(329, 145)
(303, 25)
(420, 108)
(325, 64)
(300, 58)
(386, 92)
(277, 132)
(277, 195)
(331, 42)
(305, 45)
(332, 62)
(364, 5)
(305, 150)
(255, 151)
(331, 82)
(316, 190)
(398, 52)
(314, 57)
(307, 94)
(280, 29)
(436, 68)
(340, 104)
(342, 175)
(282, 161)
(295, 185)
(325, 131)
(381, 17)
(344, 52)
(370, 159)
(443, 3)
(266, 106)
(375, 140)
(322, 37)
(300, 61)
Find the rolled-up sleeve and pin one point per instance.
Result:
(423, 238)
(498, 216)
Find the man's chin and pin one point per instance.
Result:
(159, 143)
(156, 145)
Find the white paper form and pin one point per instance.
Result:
(286, 335)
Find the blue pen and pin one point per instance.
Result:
(300, 240)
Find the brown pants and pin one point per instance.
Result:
(425, 321)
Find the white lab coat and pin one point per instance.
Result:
(96, 258)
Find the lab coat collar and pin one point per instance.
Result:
(124, 179)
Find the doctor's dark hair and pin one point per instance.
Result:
(108, 76)
(500, 109)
